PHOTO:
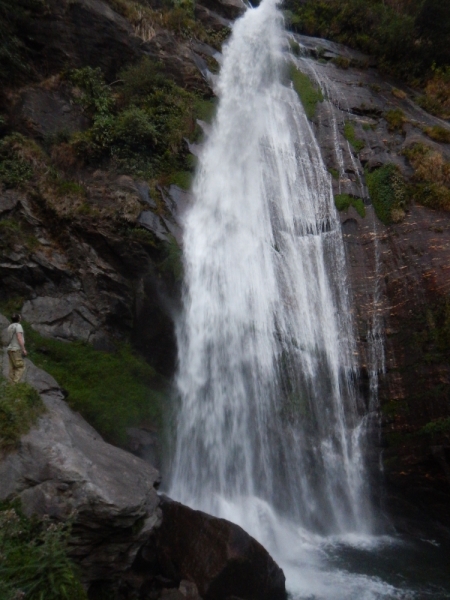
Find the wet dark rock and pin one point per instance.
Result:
(228, 9)
(218, 556)
(44, 113)
(83, 32)
(152, 222)
(144, 443)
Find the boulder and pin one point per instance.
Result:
(219, 557)
(63, 468)
(67, 317)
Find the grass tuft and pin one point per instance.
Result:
(20, 407)
(395, 119)
(438, 134)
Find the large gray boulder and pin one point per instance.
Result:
(63, 468)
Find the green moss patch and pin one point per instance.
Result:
(34, 562)
(20, 407)
(307, 92)
(112, 391)
(344, 201)
(387, 190)
(349, 134)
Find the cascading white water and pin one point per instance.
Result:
(268, 426)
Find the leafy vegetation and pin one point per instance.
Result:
(438, 134)
(341, 62)
(407, 36)
(94, 95)
(20, 406)
(438, 426)
(387, 190)
(436, 99)
(349, 134)
(306, 91)
(142, 127)
(395, 119)
(112, 391)
(15, 168)
(431, 180)
(344, 201)
(13, 232)
(34, 562)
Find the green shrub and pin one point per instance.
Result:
(95, 96)
(438, 134)
(438, 426)
(144, 132)
(13, 232)
(15, 170)
(436, 99)
(431, 181)
(141, 79)
(112, 391)
(431, 195)
(349, 134)
(34, 562)
(309, 95)
(387, 190)
(395, 119)
(20, 407)
(344, 201)
(134, 132)
(334, 173)
(341, 62)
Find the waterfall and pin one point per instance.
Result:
(269, 423)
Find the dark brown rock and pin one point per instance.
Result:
(218, 556)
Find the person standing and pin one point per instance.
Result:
(16, 349)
